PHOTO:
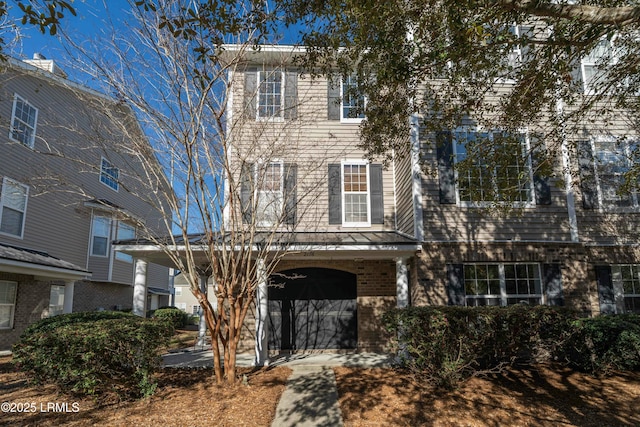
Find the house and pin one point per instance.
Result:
(373, 236)
(66, 193)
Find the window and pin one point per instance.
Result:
(13, 204)
(612, 160)
(594, 66)
(270, 99)
(626, 286)
(502, 284)
(8, 292)
(109, 174)
(496, 168)
(56, 300)
(355, 194)
(195, 309)
(100, 233)
(24, 118)
(269, 179)
(353, 102)
(178, 291)
(125, 232)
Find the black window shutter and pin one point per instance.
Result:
(333, 100)
(587, 175)
(290, 193)
(540, 183)
(291, 95)
(553, 284)
(250, 92)
(455, 284)
(605, 289)
(335, 194)
(446, 173)
(377, 202)
(246, 192)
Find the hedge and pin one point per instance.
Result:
(93, 353)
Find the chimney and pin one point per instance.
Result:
(41, 62)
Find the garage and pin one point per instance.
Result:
(312, 309)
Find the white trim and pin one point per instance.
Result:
(503, 296)
(342, 97)
(119, 255)
(91, 235)
(109, 176)
(357, 162)
(634, 197)
(280, 116)
(416, 179)
(257, 192)
(31, 142)
(45, 271)
(6, 180)
(568, 176)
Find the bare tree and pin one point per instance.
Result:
(239, 190)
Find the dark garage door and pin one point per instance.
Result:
(312, 309)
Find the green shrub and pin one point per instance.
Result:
(177, 317)
(445, 345)
(605, 343)
(94, 353)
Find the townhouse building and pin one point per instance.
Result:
(367, 235)
(67, 191)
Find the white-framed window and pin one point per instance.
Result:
(125, 232)
(626, 286)
(518, 54)
(56, 300)
(502, 284)
(178, 291)
(270, 95)
(195, 309)
(13, 207)
(352, 101)
(613, 158)
(498, 170)
(109, 174)
(595, 64)
(8, 294)
(182, 306)
(100, 236)
(356, 206)
(269, 192)
(24, 119)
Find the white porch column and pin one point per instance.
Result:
(202, 330)
(140, 288)
(402, 282)
(68, 296)
(262, 351)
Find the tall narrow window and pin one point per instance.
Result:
(353, 102)
(109, 174)
(355, 194)
(56, 300)
(613, 160)
(8, 292)
(125, 232)
(269, 179)
(13, 205)
(270, 99)
(24, 118)
(594, 66)
(100, 233)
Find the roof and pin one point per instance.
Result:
(29, 261)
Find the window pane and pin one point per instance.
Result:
(56, 300)
(8, 292)
(100, 246)
(11, 221)
(270, 94)
(6, 316)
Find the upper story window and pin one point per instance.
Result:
(8, 292)
(352, 101)
(355, 194)
(269, 193)
(270, 94)
(594, 66)
(502, 284)
(497, 168)
(100, 236)
(612, 159)
(13, 205)
(125, 232)
(24, 118)
(109, 174)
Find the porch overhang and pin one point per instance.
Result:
(43, 266)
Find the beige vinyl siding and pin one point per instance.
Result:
(74, 131)
(312, 142)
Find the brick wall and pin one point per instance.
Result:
(91, 296)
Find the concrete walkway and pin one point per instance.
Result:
(310, 398)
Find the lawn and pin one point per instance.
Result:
(368, 397)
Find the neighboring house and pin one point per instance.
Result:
(63, 200)
(378, 237)
(184, 298)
